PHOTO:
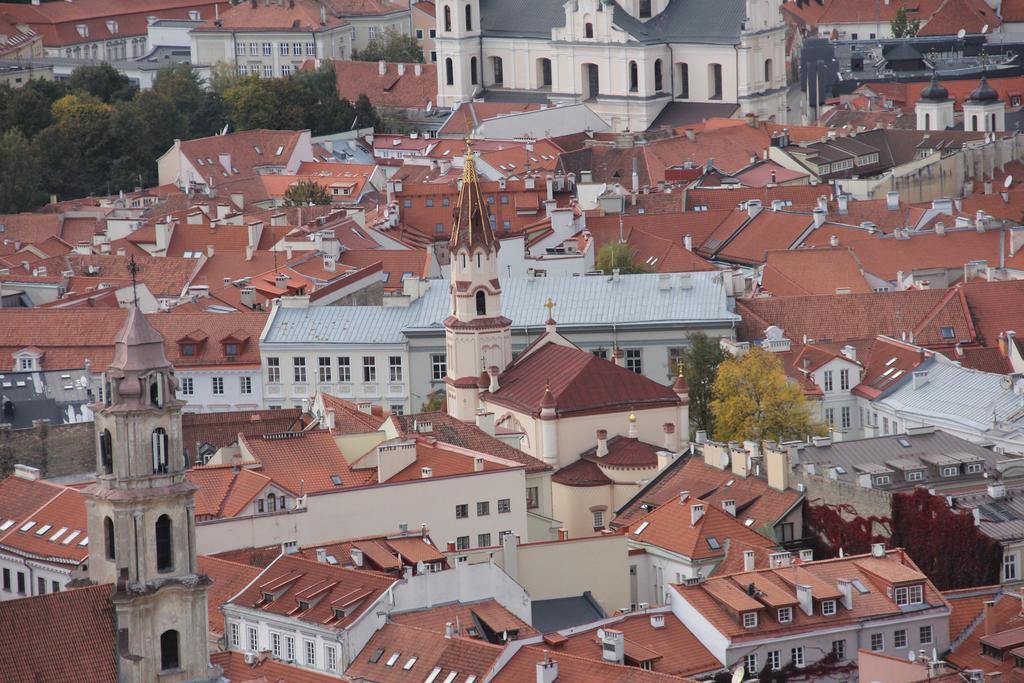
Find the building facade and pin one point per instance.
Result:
(627, 60)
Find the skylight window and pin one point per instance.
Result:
(410, 663)
(903, 441)
(257, 148)
(433, 675)
(730, 482)
(7, 525)
(888, 372)
(451, 677)
(640, 529)
(392, 659)
(947, 332)
(377, 654)
(84, 542)
(280, 149)
(26, 526)
(749, 522)
(336, 480)
(839, 469)
(60, 532)
(890, 361)
(861, 588)
(71, 537)
(713, 543)
(43, 529)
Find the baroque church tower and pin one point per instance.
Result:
(478, 338)
(141, 516)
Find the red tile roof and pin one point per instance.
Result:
(227, 579)
(767, 231)
(754, 498)
(953, 15)
(669, 526)
(397, 263)
(581, 473)
(299, 16)
(249, 150)
(839, 12)
(840, 317)
(79, 627)
(427, 651)
(469, 115)
(57, 23)
(658, 254)
(580, 382)
(803, 197)
(448, 429)
(672, 226)
(488, 613)
(996, 308)
(574, 669)
(326, 587)
(226, 490)
(625, 452)
(65, 529)
(1006, 616)
(391, 89)
(304, 462)
(812, 271)
(266, 670)
(30, 227)
(720, 599)
(209, 334)
(218, 430)
(673, 647)
(349, 8)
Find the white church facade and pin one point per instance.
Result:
(627, 60)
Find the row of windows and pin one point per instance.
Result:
(483, 508)
(163, 533)
(844, 380)
(266, 70)
(267, 49)
(482, 540)
(844, 417)
(188, 386)
(21, 586)
(282, 647)
(327, 370)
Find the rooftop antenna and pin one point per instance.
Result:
(133, 268)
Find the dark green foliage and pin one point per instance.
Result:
(393, 47)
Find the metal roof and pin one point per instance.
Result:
(602, 301)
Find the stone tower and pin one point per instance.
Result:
(934, 108)
(141, 516)
(478, 337)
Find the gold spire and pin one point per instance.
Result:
(469, 164)
(550, 305)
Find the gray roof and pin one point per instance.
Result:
(885, 454)
(556, 614)
(581, 302)
(682, 21)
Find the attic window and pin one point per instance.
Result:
(392, 659)
(188, 349)
(861, 588)
(268, 597)
(43, 529)
(377, 654)
(201, 163)
(890, 361)
(231, 349)
(749, 522)
(947, 332)
(26, 526)
(410, 663)
(903, 441)
(640, 529)
(336, 480)
(713, 543)
(839, 469)
(303, 605)
(280, 149)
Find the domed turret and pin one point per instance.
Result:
(935, 91)
(984, 92)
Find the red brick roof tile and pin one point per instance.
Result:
(489, 612)
(1006, 615)
(574, 669)
(299, 16)
(391, 89)
(265, 670)
(218, 430)
(812, 271)
(227, 579)
(431, 650)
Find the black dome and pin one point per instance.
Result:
(984, 92)
(935, 91)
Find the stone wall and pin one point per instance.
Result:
(57, 450)
(867, 502)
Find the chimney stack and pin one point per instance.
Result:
(602, 443)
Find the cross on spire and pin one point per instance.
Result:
(550, 305)
(133, 268)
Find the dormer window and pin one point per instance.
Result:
(83, 30)
(750, 620)
(268, 597)
(909, 595)
(188, 349)
(303, 605)
(27, 364)
(828, 608)
(231, 350)
(950, 471)
(112, 26)
(785, 615)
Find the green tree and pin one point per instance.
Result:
(699, 363)
(306, 192)
(151, 121)
(26, 109)
(391, 47)
(103, 82)
(754, 400)
(223, 75)
(181, 87)
(902, 26)
(435, 402)
(19, 173)
(618, 255)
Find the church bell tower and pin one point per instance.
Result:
(478, 338)
(141, 516)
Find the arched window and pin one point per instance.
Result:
(472, 70)
(974, 122)
(164, 552)
(106, 452)
(479, 262)
(447, 18)
(481, 303)
(156, 389)
(161, 465)
(449, 71)
(108, 538)
(588, 30)
(469, 17)
(768, 72)
(714, 81)
(927, 121)
(463, 258)
(634, 77)
(645, 9)
(169, 655)
(543, 72)
(684, 80)
(657, 75)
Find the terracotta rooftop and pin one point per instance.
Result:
(580, 382)
(670, 526)
(471, 114)
(64, 537)
(575, 669)
(227, 490)
(720, 599)
(968, 613)
(399, 86)
(813, 271)
(754, 498)
(78, 623)
(202, 432)
(669, 648)
(300, 16)
(398, 653)
(484, 620)
(767, 231)
(581, 473)
(265, 670)
(227, 579)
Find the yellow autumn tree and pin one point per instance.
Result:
(754, 400)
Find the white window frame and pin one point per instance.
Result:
(344, 369)
(916, 475)
(950, 470)
(217, 384)
(1010, 567)
(750, 664)
(268, 49)
(187, 386)
(844, 380)
(330, 652)
(245, 385)
(750, 620)
(324, 371)
(797, 655)
(395, 372)
(252, 639)
(369, 369)
(826, 380)
(283, 48)
(828, 608)
(273, 370)
(877, 642)
(235, 634)
(438, 366)
(923, 639)
(896, 637)
(299, 369)
(310, 650)
(775, 660)
(633, 360)
(785, 615)
(598, 519)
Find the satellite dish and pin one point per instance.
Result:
(961, 33)
(1008, 182)
(984, 29)
(737, 675)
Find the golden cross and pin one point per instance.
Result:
(550, 305)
